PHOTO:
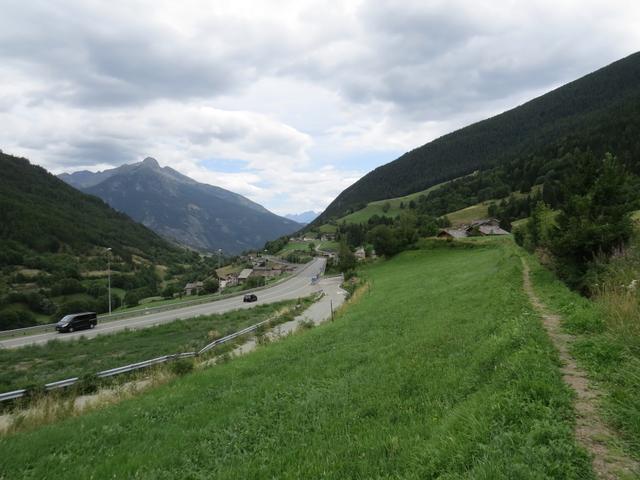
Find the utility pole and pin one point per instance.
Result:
(109, 275)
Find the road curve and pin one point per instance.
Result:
(297, 286)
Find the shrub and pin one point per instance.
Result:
(182, 366)
(16, 318)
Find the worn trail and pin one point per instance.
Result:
(591, 431)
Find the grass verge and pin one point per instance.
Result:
(441, 370)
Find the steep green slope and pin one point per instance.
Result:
(599, 111)
(408, 383)
(42, 213)
(390, 207)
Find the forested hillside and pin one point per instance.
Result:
(600, 111)
(41, 213)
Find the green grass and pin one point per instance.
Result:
(293, 246)
(611, 358)
(377, 207)
(328, 246)
(327, 228)
(469, 214)
(57, 360)
(440, 371)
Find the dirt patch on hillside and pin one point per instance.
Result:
(591, 432)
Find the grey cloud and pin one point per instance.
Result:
(89, 60)
(430, 60)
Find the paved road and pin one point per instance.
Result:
(297, 286)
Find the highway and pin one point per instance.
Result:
(297, 286)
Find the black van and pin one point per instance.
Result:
(77, 321)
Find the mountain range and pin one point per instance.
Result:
(201, 216)
(304, 217)
(599, 112)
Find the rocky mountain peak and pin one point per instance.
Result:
(151, 162)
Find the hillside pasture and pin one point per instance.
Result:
(440, 370)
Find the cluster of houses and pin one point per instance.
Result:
(231, 275)
(477, 228)
(324, 237)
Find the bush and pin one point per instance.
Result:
(74, 306)
(182, 366)
(210, 286)
(67, 286)
(169, 291)
(16, 318)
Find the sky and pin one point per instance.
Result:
(285, 102)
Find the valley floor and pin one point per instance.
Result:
(441, 370)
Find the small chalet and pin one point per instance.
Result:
(244, 275)
(360, 254)
(328, 237)
(193, 288)
(452, 233)
(477, 228)
(227, 277)
(485, 227)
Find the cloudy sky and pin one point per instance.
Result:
(286, 102)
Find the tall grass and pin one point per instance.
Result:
(618, 293)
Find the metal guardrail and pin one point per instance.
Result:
(12, 395)
(232, 336)
(60, 384)
(136, 366)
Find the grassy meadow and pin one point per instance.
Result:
(440, 370)
(56, 360)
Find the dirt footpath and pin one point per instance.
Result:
(591, 431)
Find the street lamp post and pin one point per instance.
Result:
(109, 275)
(219, 257)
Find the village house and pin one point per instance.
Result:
(481, 228)
(244, 275)
(227, 277)
(328, 237)
(193, 288)
(452, 233)
(266, 272)
(360, 254)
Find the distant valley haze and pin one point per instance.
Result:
(287, 104)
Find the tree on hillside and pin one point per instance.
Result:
(595, 219)
(346, 259)
(384, 240)
(210, 286)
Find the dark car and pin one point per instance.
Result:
(250, 297)
(77, 321)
